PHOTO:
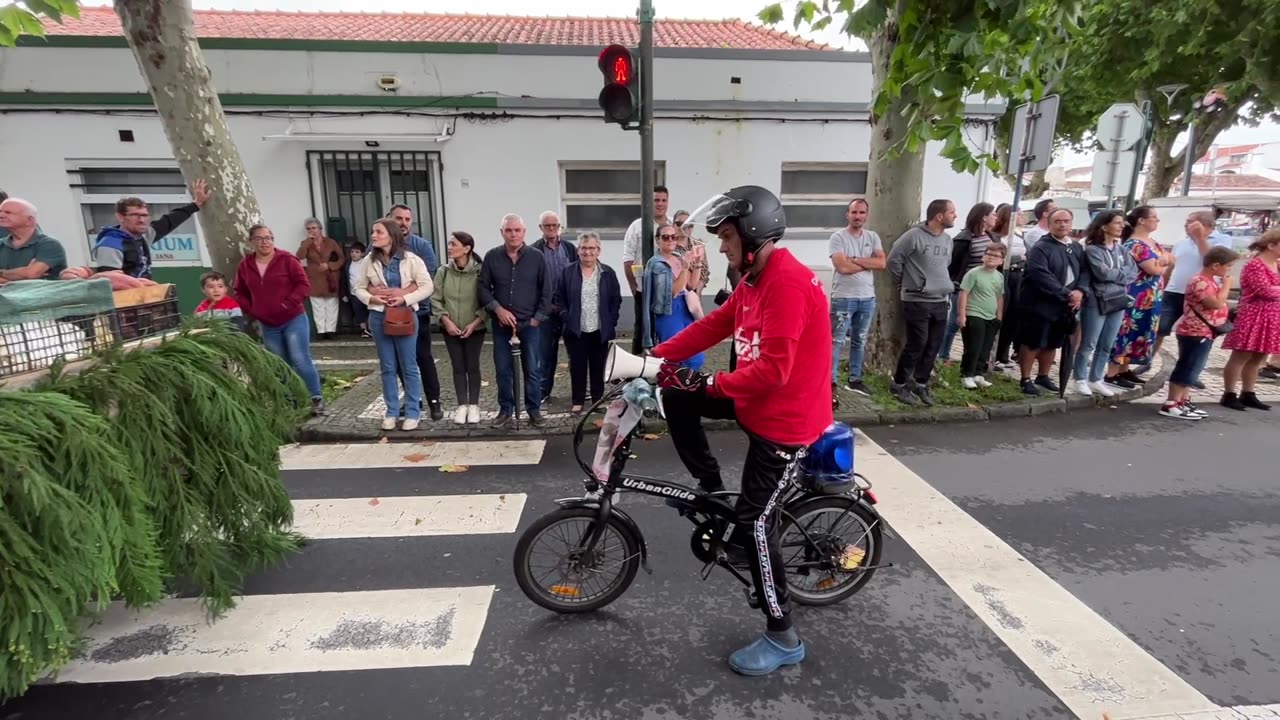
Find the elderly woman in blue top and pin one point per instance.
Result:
(588, 298)
(666, 278)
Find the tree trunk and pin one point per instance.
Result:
(1161, 171)
(895, 184)
(163, 38)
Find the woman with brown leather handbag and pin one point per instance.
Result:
(392, 281)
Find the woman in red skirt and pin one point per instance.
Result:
(1257, 328)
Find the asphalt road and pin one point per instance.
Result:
(1167, 529)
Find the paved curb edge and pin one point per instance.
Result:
(315, 431)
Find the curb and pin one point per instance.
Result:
(315, 431)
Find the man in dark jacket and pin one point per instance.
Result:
(127, 246)
(1050, 300)
(516, 290)
(557, 254)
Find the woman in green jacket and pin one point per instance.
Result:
(462, 320)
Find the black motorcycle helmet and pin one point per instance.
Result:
(755, 212)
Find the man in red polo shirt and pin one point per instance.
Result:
(780, 401)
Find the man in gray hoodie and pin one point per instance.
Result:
(919, 263)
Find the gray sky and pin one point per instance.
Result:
(703, 9)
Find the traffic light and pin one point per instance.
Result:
(620, 98)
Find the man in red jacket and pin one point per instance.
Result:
(780, 401)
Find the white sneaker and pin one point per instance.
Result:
(1082, 388)
(473, 414)
(1178, 411)
(409, 424)
(982, 381)
(1102, 389)
(969, 383)
(388, 423)
(460, 415)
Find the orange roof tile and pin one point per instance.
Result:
(421, 27)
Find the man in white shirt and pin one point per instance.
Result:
(1188, 260)
(855, 252)
(1042, 211)
(633, 252)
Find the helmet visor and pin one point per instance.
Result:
(713, 213)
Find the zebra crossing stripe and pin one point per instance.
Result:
(1088, 663)
(416, 516)
(291, 633)
(399, 455)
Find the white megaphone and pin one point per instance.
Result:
(622, 365)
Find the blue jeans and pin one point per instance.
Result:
(953, 328)
(850, 317)
(1193, 355)
(291, 342)
(550, 333)
(504, 366)
(1097, 336)
(398, 358)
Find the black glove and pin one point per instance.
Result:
(679, 377)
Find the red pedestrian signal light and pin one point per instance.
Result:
(619, 98)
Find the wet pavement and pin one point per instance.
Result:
(1167, 529)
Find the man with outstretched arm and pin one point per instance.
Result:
(781, 404)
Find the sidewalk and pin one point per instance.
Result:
(358, 414)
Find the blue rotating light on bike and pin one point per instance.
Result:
(832, 455)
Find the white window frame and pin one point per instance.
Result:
(82, 198)
(828, 200)
(629, 199)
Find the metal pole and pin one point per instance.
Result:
(646, 154)
(1112, 189)
(1191, 157)
(1143, 145)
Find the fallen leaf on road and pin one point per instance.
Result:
(484, 383)
(384, 440)
(633, 456)
(453, 468)
(651, 436)
(375, 502)
(417, 521)
(416, 457)
(502, 497)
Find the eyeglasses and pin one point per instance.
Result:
(668, 237)
(264, 238)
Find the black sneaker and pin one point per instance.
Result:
(536, 420)
(1030, 388)
(903, 395)
(1231, 400)
(922, 392)
(1120, 382)
(502, 421)
(857, 386)
(317, 406)
(1270, 372)
(1194, 410)
(1132, 377)
(1250, 400)
(437, 412)
(1047, 383)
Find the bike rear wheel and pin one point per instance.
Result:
(576, 581)
(830, 547)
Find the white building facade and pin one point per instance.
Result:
(468, 132)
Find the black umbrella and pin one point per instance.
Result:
(1068, 353)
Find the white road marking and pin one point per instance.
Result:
(275, 634)
(398, 455)
(408, 516)
(1088, 663)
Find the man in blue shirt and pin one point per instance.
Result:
(403, 216)
(557, 254)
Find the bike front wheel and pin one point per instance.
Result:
(830, 548)
(554, 569)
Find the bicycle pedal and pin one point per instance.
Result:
(753, 600)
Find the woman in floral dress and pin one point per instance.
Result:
(1257, 325)
(1136, 342)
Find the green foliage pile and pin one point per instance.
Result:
(151, 467)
